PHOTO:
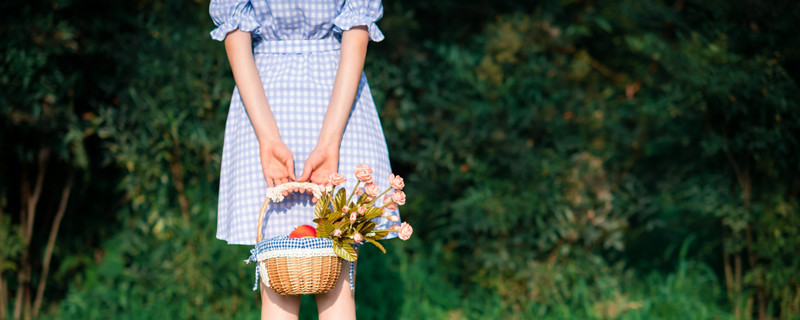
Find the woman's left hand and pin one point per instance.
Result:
(320, 164)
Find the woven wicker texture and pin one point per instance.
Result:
(303, 275)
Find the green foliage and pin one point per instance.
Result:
(182, 277)
(557, 155)
(12, 246)
(589, 128)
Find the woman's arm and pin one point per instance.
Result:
(324, 160)
(277, 162)
(345, 86)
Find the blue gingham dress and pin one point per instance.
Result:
(296, 48)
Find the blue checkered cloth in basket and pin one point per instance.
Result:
(284, 243)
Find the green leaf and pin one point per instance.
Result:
(319, 208)
(344, 251)
(325, 229)
(366, 227)
(333, 215)
(380, 234)
(373, 213)
(339, 224)
(362, 198)
(339, 201)
(377, 245)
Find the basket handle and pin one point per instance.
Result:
(276, 195)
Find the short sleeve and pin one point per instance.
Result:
(360, 13)
(230, 15)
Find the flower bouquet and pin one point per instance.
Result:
(348, 219)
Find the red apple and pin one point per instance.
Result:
(304, 231)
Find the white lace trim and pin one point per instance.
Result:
(276, 194)
(324, 252)
(264, 274)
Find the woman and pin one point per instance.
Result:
(301, 104)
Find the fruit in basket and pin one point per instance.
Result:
(304, 231)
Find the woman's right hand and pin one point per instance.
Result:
(277, 163)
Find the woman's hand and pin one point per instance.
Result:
(320, 164)
(322, 161)
(277, 163)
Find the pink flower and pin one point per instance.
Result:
(359, 191)
(353, 217)
(336, 178)
(405, 231)
(388, 203)
(345, 209)
(399, 197)
(392, 218)
(371, 189)
(363, 173)
(362, 209)
(396, 182)
(337, 232)
(394, 227)
(358, 238)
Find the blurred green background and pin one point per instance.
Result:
(564, 160)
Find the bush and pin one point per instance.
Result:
(557, 156)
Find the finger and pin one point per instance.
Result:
(306, 173)
(282, 181)
(270, 183)
(290, 166)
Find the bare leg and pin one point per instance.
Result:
(278, 307)
(338, 303)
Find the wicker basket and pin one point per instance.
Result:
(296, 266)
(302, 275)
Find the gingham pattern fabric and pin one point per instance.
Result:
(295, 20)
(296, 48)
(286, 243)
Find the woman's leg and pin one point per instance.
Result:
(338, 303)
(278, 307)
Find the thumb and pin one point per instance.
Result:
(306, 173)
